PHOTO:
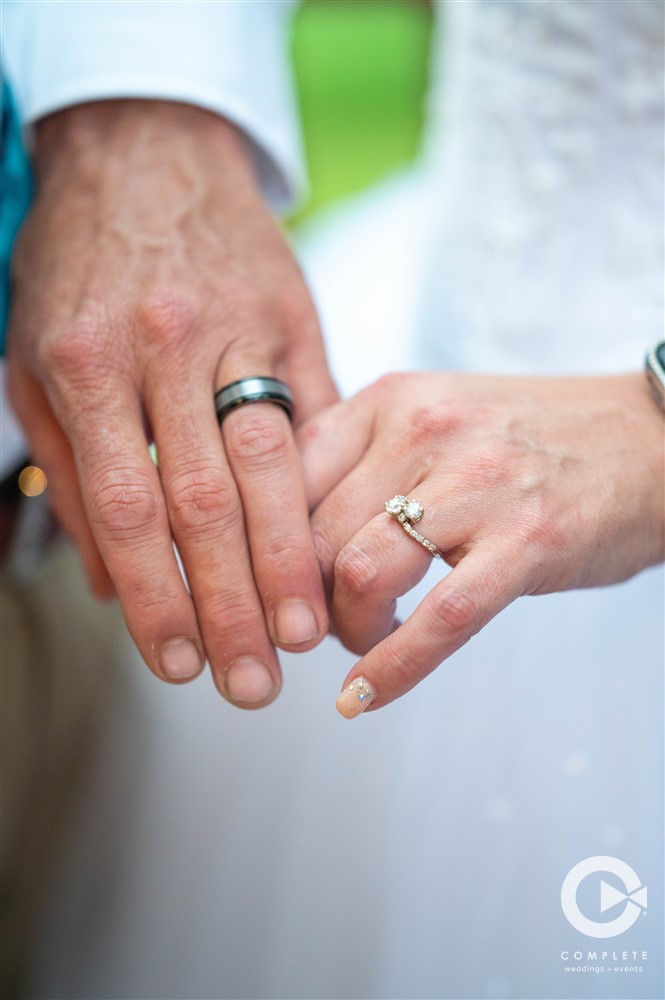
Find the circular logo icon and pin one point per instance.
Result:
(633, 896)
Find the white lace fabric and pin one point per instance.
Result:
(547, 149)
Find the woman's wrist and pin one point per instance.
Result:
(657, 426)
(647, 422)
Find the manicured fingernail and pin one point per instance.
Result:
(181, 659)
(248, 681)
(295, 623)
(355, 698)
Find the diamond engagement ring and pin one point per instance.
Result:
(407, 513)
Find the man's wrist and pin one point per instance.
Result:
(93, 131)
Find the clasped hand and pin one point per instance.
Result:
(148, 275)
(529, 486)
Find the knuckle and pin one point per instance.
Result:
(284, 551)
(457, 610)
(74, 355)
(200, 499)
(355, 570)
(256, 438)
(124, 505)
(433, 421)
(398, 663)
(165, 319)
(155, 598)
(234, 614)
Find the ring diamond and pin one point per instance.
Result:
(407, 513)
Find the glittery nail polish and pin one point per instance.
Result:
(355, 698)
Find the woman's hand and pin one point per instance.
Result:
(528, 485)
(148, 275)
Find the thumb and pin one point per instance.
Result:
(332, 443)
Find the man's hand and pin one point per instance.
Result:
(528, 485)
(148, 275)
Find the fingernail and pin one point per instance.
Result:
(181, 659)
(248, 681)
(355, 698)
(295, 623)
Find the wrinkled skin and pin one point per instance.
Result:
(148, 274)
(529, 485)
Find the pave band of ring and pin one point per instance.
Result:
(407, 512)
(257, 389)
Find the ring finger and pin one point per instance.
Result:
(267, 469)
(381, 563)
(368, 560)
(206, 517)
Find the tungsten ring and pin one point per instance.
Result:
(257, 389)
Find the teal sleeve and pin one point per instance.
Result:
(15, 195)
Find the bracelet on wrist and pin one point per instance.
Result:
(654, 366)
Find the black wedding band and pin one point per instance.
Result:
(257, 389)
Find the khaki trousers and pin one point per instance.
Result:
(58, 645)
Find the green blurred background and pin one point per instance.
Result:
(361, 75)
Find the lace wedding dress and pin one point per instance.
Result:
(420, 851)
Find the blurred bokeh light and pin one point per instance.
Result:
(32, 481)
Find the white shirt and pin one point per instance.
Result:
(228, 56)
